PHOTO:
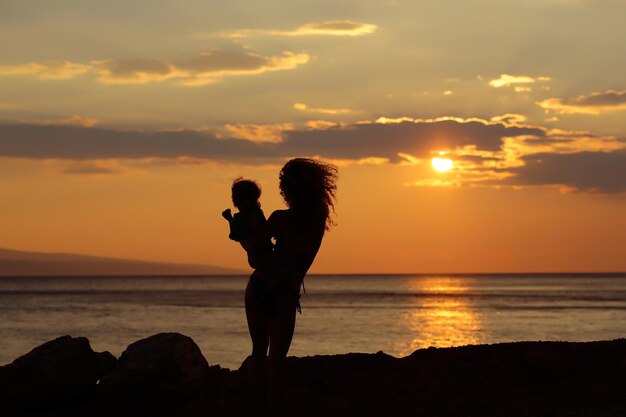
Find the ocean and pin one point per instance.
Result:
(340, 313)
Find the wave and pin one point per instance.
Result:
(543, 294)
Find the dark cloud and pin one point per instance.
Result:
(80, 143)
(603, 172)
(204, 69)
(592, 171)
(594, 103)
(345, 25)
(336, 28)
(125, 68)
(224, 61)
(386, 140)
(608, 98)
(353, 142)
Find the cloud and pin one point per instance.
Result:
(204, 69)
(303, 107)
(485, 153)
(82, 144)
(218, 64)
(94, 168)
(519, 82)
(435, 182)
(134, 71)
(328, 28)
(563, 142)
(385, 138)
(258, 133)
(320, 124)
(70, 121)
(48, 70)
(595, 172)
(594, 103)
(336, 28)
(388, 138)
(510, 118)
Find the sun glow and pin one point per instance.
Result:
(441, 316)
(442, 164)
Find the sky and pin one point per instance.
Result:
(123, 125)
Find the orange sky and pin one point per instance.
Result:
(172, 214)
(124, 142)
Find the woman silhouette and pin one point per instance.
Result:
(308, 188)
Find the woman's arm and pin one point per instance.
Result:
(268, 230)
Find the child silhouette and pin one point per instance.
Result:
(247, 223)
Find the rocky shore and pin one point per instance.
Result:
(166, 375)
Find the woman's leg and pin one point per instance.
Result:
(281, 327)
(257, 318)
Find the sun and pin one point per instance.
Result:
(442, 164)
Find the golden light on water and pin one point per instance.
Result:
(442, 318)
(442, 164)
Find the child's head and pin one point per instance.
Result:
(245, 193)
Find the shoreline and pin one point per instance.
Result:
(167, 375)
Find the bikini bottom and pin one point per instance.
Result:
(266, 298)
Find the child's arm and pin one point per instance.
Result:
(234, 225)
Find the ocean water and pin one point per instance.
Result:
(349, 313)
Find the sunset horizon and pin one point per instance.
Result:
(313, 208)
(482, 137)
(84, 264)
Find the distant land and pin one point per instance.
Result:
(19, 263)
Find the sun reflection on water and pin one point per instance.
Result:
(441, 317)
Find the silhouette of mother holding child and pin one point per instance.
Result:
(308, 188)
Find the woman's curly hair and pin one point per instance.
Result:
(308, 186)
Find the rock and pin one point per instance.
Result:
(511, 379)
(165, 375)
(526, 379)
(156, 376)
(60, 373)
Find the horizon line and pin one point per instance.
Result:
(347, 274)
